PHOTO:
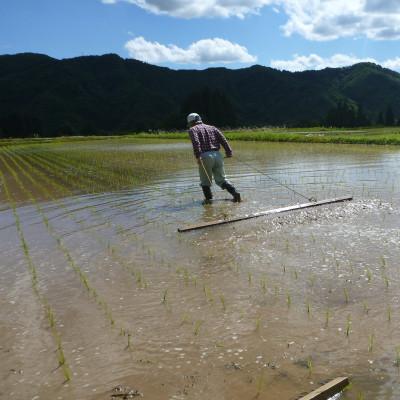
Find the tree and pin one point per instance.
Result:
(214, 107)
(389, 116)
(380, 120)
(344, 115)
(20, 126)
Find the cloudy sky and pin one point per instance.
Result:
(286, 34)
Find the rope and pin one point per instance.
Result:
(201, 162)
(312, 199)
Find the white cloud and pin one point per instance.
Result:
(393, 63)
(206, 51)
(314, 61)
(196, 9)
(312, 19)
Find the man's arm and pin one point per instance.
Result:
(224, 143)
(195, 143)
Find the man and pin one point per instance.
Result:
(206, 141)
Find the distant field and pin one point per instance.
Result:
(377, 136)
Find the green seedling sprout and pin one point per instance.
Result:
(327, 317)
(222, 300)
(197, 326)
(310, 366)
(260, 384)
(129, 341)
(165, 294)
(369, 275)
(371, 340)
(288, 300)
(348, 325)
(389, 313)
(397, 361)
(308, 309)
(346, 295)
(386, 281)
(258, 324)
(263, 284)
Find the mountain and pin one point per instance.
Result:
(107, 94)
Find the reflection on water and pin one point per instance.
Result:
(268, 308)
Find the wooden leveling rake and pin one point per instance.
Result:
(312, 202)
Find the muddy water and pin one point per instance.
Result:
(268, 308)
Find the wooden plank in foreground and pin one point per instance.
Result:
(330, 389)
(263, 213)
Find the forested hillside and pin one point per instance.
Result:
(106, 94)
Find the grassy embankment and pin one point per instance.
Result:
(377, 136)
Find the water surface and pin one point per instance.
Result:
(270, 307)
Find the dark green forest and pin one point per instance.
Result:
(43, 96)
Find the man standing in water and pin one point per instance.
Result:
(206, 141)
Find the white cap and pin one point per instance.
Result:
(193, 118)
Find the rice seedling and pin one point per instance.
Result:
(348, 325)
(263, 284)
(397, 360)
(389, 313)
(369, 275)
(288, 299)
(310, 366)
(371, 340)
(208, 294)
(308, 307)
(327, 317)
(223, 303)
(258, 324)
(197, 327)
(128, 346)
(249, 278)
(386, 279)
(260, 384)
(165, 297)
(186, 319)
(346, 295)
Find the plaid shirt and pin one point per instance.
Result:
(207, 138)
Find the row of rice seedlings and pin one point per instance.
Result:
(141, 282)
(82, 276)
(70, 182)
(103, 180)
(118, 172)
(33, 272)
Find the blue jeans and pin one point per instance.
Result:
(212, 165)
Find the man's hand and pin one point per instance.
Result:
(198, 161)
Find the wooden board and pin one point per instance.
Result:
(330, 389)
(263, 213)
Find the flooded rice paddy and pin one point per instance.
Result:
(102, 298)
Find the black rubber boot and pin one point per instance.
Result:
(207, 194)
(232, 191)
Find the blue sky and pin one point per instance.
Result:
(285, 34)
